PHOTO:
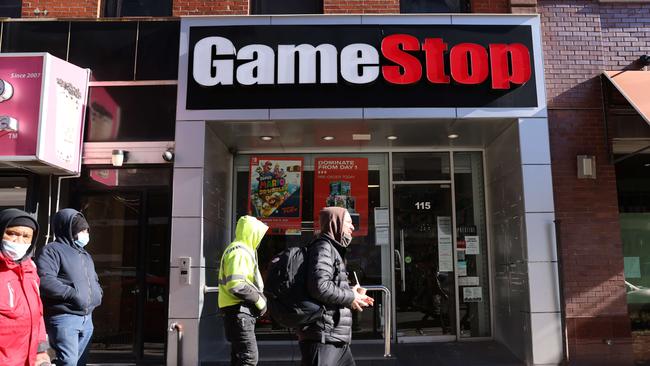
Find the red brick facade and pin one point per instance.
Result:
(210, 7)
(60, 8)
(361, 6)
(581, 39)
(490, 6)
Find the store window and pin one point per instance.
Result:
(107, 48)
(131, 113)
(358, 182)
(286, 7)
(10, 8)
(434, 6)
(137, 8)
(633, 183)
(51, 37)
(157, 50)
(13, 192)
(471, 246)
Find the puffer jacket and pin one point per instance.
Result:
(69, 283)
(22, 331)
(327, 283)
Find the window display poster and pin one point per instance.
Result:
(275, 194)
(472, 294)
(472, 244)
(462, 268)
(632, 267)
(445, 247)
(342, 182)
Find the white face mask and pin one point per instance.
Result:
(83, 239)
(15, 251)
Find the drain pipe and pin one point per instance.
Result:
(560, 273)
(178, 328)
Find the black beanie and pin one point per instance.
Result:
(23, 221)
(78, 225)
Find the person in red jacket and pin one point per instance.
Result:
(23, 340)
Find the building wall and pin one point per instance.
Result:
(581, 39)
(60, 8)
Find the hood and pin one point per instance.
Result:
(250, 231)
(6, 217)
(62, 224)
(331, 223)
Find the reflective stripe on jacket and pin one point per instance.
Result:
(239, 261)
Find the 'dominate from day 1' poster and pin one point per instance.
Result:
(343, 182)
(275, 194)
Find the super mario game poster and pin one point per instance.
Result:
(275, 194)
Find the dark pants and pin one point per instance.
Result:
(70, 335)
(240, 332)
(325, 354)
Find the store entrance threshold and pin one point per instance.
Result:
(480, 353)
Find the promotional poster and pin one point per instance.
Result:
(343, 182)
(275, 194)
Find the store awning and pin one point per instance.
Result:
(635, 87)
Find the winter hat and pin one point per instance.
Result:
(23, 221)
(78, 225)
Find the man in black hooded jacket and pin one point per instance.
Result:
(326, 342)
(69, 288)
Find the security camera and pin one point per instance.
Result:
(168, 155)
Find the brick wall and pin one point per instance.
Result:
(490, 6)
(580, 40)
(60, 8)
(361, 6)
(210, 7)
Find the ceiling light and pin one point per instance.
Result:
(453, 136)
(328, 138)
(647, 165)
(266, 138)
(391, 137)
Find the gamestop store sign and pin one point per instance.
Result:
(358, 66)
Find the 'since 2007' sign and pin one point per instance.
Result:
(241, 67)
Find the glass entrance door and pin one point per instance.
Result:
(424, 264)
(130, 239)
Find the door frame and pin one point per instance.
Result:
(137, 354)
(393, 284)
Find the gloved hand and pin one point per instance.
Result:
(260, 305)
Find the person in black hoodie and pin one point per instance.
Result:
(326, 342)
(69, 288)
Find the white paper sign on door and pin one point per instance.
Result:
(472, 294)
(445, 246)
(472, 244)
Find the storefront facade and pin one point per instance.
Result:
(464, 257)
(560, 262)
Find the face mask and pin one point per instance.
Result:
(15, 251)
(82, 239)
(346, 240)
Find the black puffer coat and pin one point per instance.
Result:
(327, 283)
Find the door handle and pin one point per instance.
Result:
(398, 267)
(401, 258)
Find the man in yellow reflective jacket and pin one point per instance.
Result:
(240, 290)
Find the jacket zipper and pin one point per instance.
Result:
(90, 288)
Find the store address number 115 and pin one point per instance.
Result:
(423, 205)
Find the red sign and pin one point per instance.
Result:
(24, 75)
(275, 193)
(342, 182)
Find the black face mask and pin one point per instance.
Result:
(346, 240)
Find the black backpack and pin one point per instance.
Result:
(288, 301)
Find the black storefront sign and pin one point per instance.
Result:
(387, 66)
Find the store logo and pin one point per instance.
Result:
(216, 61)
